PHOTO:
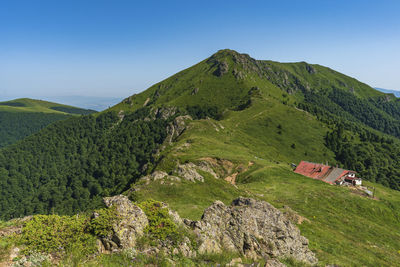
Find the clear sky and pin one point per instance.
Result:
(117, 48)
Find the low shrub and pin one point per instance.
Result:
(101, 224)
(57, 234)
(161, 226)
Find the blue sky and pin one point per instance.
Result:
(117, 48)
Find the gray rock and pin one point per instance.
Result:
(177, 127)
(159, 176)
(189, 172)
(207, 167)
(253, 228)
(310, 69)
(165, 112)
(222, 68)
(128, 228)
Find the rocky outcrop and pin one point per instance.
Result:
(222, 68)
(207, 167)
(310, 69)
(177, 127)
(165, 112)
(129, 226)
(189, 172)
(159, 176)
(253, 228)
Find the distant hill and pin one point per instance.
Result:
(89, 102)
(33, 105)
(22, 117)
(388, 91)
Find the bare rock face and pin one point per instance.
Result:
(189, 172)
(177, 127)
(159, 176)
(253, 228)
(222, 68)
(310, 69)
(207, 167)
(129, 227)
(165, 112)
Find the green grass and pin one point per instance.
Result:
(198, 85)
(344, 228)
(189, 198)
(33, 105)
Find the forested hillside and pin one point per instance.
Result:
(22, 117)
(286, 112)
(68, 166)
(226, 127)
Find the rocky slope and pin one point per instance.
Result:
(249, 228)
(252, 228)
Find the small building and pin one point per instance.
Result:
(353, 180)
(328, 174)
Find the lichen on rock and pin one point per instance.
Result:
(129, 227)
(252, 228)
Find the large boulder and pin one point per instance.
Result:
(129, 226)
(253, 228)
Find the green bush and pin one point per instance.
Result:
(161, 226)
(101, 225)
(57, 234)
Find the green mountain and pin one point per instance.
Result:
(238, 123)
(22, 117)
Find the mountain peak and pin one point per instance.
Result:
(228, 53)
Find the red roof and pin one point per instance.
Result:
(313, 170)
(320, 171)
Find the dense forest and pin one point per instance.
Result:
(376, 113)
(375, 157)
(73, 110)
(15, 126)
(70, 165)
(371, 153)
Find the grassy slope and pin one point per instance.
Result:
(33, 105)
(344, 228)
(325, 78)
(223, 91)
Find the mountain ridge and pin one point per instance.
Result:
(226, 127)
(35, 105)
